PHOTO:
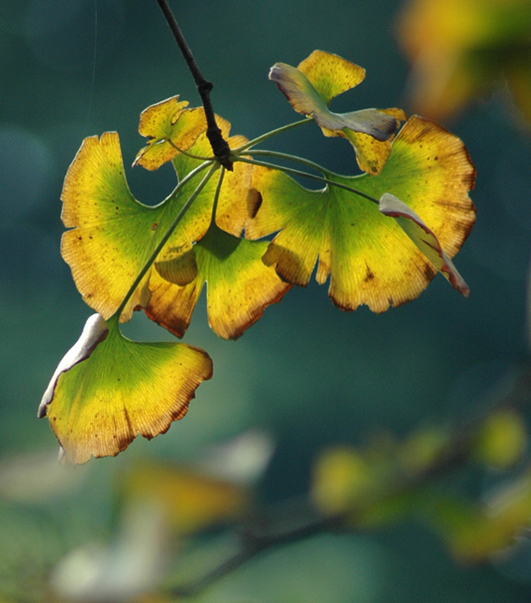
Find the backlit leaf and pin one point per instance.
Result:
(369, 258)
(169, 127)
(311, 86)
(108, 389)
(240, 285)
(112, 235)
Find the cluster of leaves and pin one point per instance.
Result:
(380, 236)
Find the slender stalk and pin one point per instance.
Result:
(186, 179)
(288, 170)
(270, 134)
(253, 544)
(186, 153)
(301, 160)
(164, 239)
(219, 145)
(216, 194)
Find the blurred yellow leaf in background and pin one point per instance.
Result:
(461, 49)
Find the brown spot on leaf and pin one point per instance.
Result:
(254, 202)
(154, 226)
(369, 276)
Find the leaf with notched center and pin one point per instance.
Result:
(369, 258)
(113, 235)
(240, 285)
(108, 389)
(315, 82)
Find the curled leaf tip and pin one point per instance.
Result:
(424, 238)
(94, 331)
(311, 86)
(107, 390)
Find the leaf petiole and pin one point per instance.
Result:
(295, 172)
(191, 155)
(216, 194)
(186, 179)
(215, 165)
(268, 135)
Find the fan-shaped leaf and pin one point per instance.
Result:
(108, 389)
(170, 127)
(370, 259)
(113, 235)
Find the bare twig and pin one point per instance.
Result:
(219, 145)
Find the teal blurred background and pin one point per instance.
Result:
(307, 374)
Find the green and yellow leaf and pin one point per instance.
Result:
(315, 82)
(108, 389)
(369, 258)
(240, 285)
(113, 235)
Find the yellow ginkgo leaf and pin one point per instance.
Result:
(240, 285)
(170, 128)
(108, 389)
(113, 235)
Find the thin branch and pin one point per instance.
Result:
(253, 542)
(298, 521)
(219, 145)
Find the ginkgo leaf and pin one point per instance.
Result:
(369, 258)
(169, 127)
(424, 239)
(108, 389)
(311, 86)
(113, 235)
(240, 285)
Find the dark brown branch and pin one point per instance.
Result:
(219, 145)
